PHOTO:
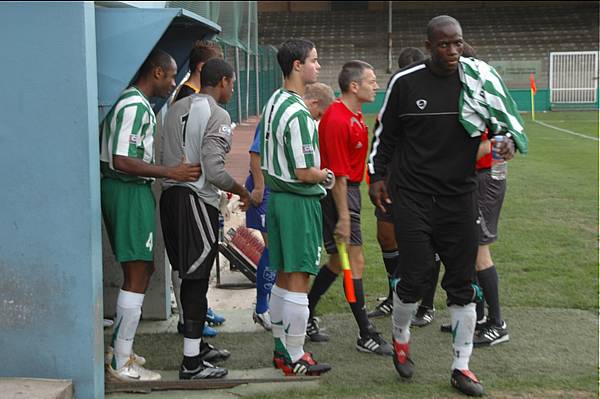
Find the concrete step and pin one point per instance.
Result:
(35, 388)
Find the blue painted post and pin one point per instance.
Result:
(50, 244)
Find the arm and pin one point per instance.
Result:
(259, 179)
(340, 197)
(213, 151)
(137, 167)
(311, 175)
(383, 146)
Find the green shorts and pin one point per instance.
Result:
(295, 232)
(129, 215)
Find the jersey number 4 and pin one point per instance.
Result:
(149, 242)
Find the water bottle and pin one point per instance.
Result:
(499, 165)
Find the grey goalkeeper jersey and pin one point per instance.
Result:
(197, 127)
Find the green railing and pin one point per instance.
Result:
(258, 76)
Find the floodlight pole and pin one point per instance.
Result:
(389, 68)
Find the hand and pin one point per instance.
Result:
(256, 196)
(185, 171)
(505, 148)
(379, 195)
(223, 202)
(245, 200)
(328, 179)
(342, 230)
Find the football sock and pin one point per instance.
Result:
(463, 327)
(276, 312)
(129, 310)
(390, 260)
(488, 280)
(401, 318)
(265, 279)
(358, 308)
(321, 284)
(295, 318)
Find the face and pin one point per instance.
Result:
(313, 107)
(227, 85)
(446, 47)
(165, 80)
(365, 90)
(309, 70)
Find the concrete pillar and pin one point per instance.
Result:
(50, 245)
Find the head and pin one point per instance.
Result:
(317, 97)
(444, 43)
(409, 55)
(158, 72)
(358, 78)
(298, 58)
(217, 76)
(203, 51)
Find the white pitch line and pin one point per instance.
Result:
(567, 131)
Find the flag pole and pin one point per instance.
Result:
(532, 105)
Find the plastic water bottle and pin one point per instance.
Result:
(499, 165)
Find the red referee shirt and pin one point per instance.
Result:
(343, 142)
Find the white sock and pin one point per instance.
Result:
(295, 318)
(463, 327)
(191, 347)
(129, 310)
(276, 312)
(176, 281)
(401, 317)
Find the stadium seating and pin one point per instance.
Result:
(498, 33)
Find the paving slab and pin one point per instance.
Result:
(35, 388)
(230, 393)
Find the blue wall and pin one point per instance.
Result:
(50, 244)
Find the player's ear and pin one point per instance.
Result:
(296, 65)
(158, 72)
(428, 46)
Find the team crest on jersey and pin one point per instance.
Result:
(307, 149)
(421, 104)
(225, 129)
(133, 139)
(359, 145)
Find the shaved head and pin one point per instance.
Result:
(439, 22)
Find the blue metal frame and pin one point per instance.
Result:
(126, 36)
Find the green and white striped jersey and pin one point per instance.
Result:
(128, 130)
(289, 141)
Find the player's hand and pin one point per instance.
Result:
(379, 195)
(506, 148)
(342, 230)
(256, 197)
(328, 180)
(185, 171)
(223, 206)
(245, 200)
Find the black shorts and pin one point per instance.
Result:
(330, 218)
(491, 197)
(190, 230)
(427, 224)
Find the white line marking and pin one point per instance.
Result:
(567, 131)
